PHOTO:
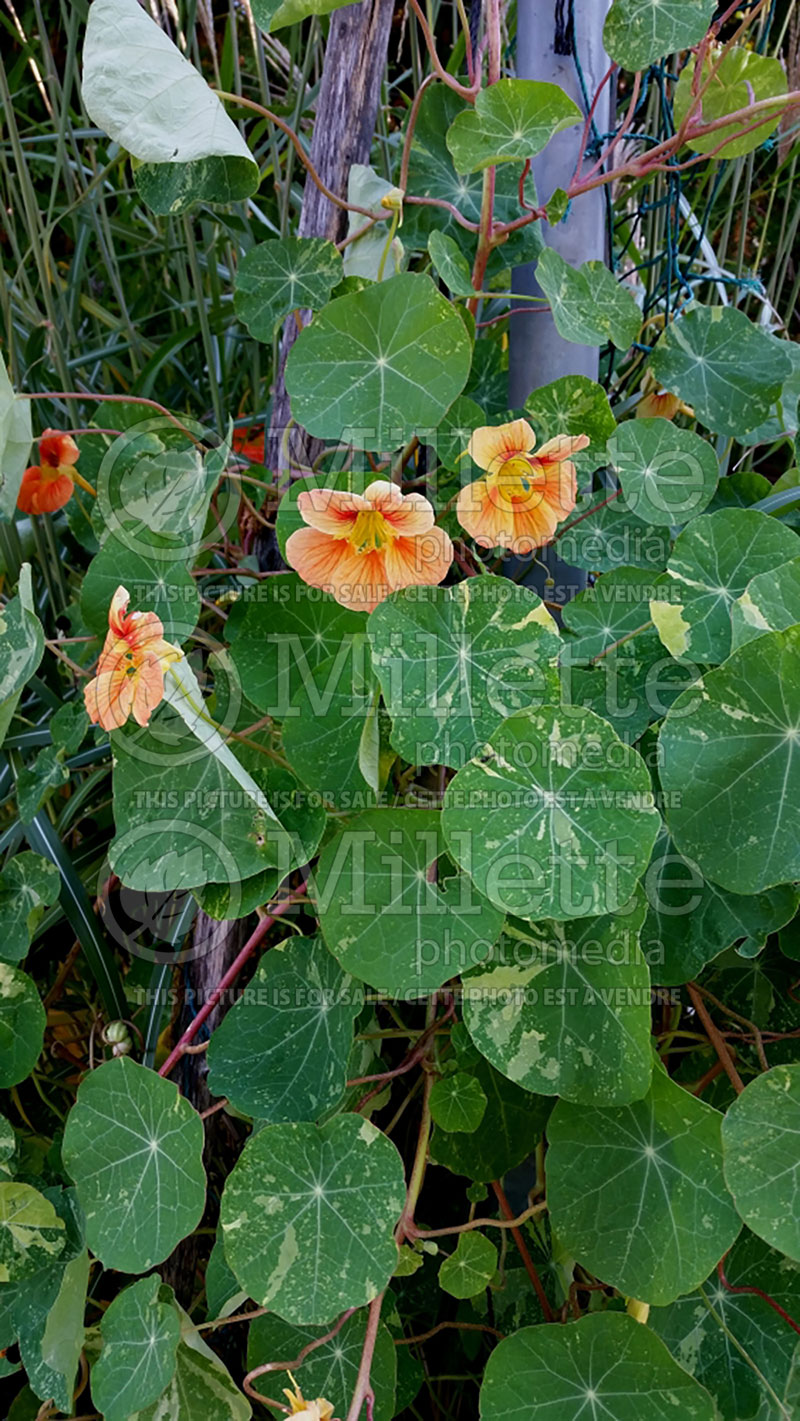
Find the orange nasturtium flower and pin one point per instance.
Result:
(130, 672)
(360, 547)
(527, 491)
(656, 403)
(47, 486)
(302, 1410)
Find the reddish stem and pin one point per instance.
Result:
(758, 1293)
(508, 1212)
(228, 978)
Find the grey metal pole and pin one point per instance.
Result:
(538, 354)
(549, 35)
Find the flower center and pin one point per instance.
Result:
(371, 532)
(515, 482)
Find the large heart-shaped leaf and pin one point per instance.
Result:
(573, 404)
(638, 32)
(308, 1216)
(730, 769)
(156, 584)
(710, 565)
(720, 362)
(332, 739)
(281, 1052)
(555, 818)
(134, 1148)
(762, 1167)
(564, 1009)
(510, 122)
(455, 661)
(168, 116)
(383, 913)
(738, 78)
(637, 1193)
(603, 535)
(379, 365)
(606, 1364)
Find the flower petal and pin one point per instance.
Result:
(422, 561)
(117, 610)
(148, 689)
(40, 494)
(490, 447)
(562, 447)
(329, 510)
(56, 449)
(491, 526)
(408, 514)
(323, 561)
(109, 698)
(560, 488)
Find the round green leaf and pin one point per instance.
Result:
(711, 564)
(556, 818)
(605, 1365)
(201, 1387)
(615, 608)
(140, 1331)
(769, 603)
(288, 630)
(690, 921)
(134, 1148)
(308, 1216)
(28, 885)
(332, 1368)
(31, 1233)
(730, 771)
(589, 305)
(332, 736)
(451, 265)
(455, 661)
(667, 474)
(510, 122)
(608, 536)
(510, 1129)
(281, 1052)
(22, 1023)
(637, 1194)
(564, 1009)
(458, 1103)
(731, 370)
(156, 584)
(381, 915)
(573, 404)
(741, 77)
(638, 32)
(379, 365)
(762, 1165)
(723, 1335)
(470, 1267)
(277, 277)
